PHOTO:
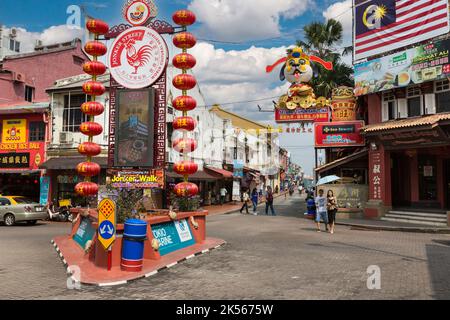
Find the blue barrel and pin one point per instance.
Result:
(134, 236)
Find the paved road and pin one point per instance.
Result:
(266, 257)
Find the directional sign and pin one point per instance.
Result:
(107, 223)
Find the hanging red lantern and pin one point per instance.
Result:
(91, 129)
(184, 103)
(184, 18)
(184, 82)
(184, 123)
(186, 189)
(95, 48)
(184, 40)
(94, 88)
(89, 149)
(92, 108)
(183, 145)
(88, 169)
(97, 26)
(94, 68)
(86, 189)
(184, 61)
(185, 168)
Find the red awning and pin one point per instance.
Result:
(224, 173)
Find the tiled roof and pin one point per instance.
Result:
(406, 123)
(347, 159)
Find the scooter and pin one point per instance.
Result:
(61, 214)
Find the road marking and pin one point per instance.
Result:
(151, 273)
(110, 284)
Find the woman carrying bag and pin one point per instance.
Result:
(332, 208)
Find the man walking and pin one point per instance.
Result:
(245, 198)
(321, 206)
(223, 193)
(269, 201)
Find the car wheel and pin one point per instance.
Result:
(9, 220)
(63, 218)
(32, 222)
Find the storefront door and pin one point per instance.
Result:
(447, 182)
(401, 180)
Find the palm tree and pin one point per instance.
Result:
(321, 40)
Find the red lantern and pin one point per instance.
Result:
(186, 189)
(184, 18)
(94, 88)
(184, 40)
(88, 169)
(89, 149)
(184, 123)
(184, 82)
(94, 68)
(185, 168)
(86, 189)
(91, 129)
(184, 145)
(95, 48)
(184, 61)
(97, 26)
(184, 103)
(92, 108)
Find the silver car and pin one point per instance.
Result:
(20, 209)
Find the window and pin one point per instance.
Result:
(442, 89)
(4, 202)
(73, 117)
(14, 45)
(389, 106)
(29, 94)
(37, 131)
(414, 102)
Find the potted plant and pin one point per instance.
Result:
(185, 204)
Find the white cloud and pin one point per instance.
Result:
(245, 20)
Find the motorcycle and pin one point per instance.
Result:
(61, 214)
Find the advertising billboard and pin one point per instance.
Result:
(339, 134)
(300, 114)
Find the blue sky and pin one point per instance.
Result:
(238, 38)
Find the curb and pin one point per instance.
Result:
(118, 283)
(398, 229)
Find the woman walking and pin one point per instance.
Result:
(245, 198)
(255, 197)
(332, 209)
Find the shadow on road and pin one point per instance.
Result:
(438, 257)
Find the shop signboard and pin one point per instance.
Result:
(140, 179)
(339, 134)
(385, 25)
(14, 160)
(422, 63)
(300, 114)
(84, 233)
(173, 236)
(138, 12)
(134, 128)
(44, 190)
(348, 196)
(14, 131)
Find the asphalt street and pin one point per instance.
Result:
(266, 257)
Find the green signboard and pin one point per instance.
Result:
(84, 233)
(173, 236)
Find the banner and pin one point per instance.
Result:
(44, 190)
(238, 168)
(300, 114)
(413, 66)
(149, 179)
(385, 25)
(339, 134)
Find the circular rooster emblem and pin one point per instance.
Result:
(138, 57)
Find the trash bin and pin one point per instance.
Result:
(134, 236)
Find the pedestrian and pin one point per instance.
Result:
(332, 210)
(255, 198)
(223, 193)
(310, 207)
(321, 207)
(269, 201)
(245, 198)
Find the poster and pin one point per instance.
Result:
(14, 131)
(339, 134)
(413, 66)
(134, 128)
(238, 168)
(44, 190)
(84, 233)
(236, 195)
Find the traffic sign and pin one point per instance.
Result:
(107, 223)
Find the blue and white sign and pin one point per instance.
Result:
(106, 230)
(238, 168)
(173, 236)
(44, 190)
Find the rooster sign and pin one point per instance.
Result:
(138, 58)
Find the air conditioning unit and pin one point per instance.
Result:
(13, 33)
(18, 77)
(66, 137)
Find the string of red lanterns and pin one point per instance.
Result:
(89, 169)
(184, 103)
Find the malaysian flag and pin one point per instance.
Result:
(385, 25)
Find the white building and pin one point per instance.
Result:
(10, 43)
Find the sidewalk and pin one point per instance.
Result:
(380, 225)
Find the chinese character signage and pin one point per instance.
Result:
(149, 179)
(413, 66)
(339, 134)
(14, 131)
(300, 114)
(376, 175)
(14, 160)
(384, 25)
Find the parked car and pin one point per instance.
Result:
(20, 209)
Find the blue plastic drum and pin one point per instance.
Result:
(134, 236)
(135, 229)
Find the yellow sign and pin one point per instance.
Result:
(107, 223)
(14, 131)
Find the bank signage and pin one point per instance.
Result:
(339, 134)
(173, 236)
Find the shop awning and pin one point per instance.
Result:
(18, 171)
(198, 176)
(67, 163)
(339, 162)
(220, 172)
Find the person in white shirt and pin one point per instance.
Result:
(223, 193)
(322, 214)
(245, 198)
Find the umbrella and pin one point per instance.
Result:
(327, 179)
